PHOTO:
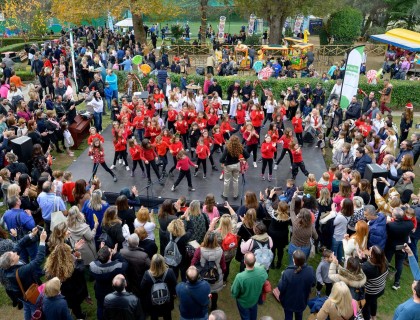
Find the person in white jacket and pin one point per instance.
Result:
(357, 242)
(336, 90)
(98, 107)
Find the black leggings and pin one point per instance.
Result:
(185, 140)
(182, 174)
(104, 165)
(204, 162)
(226, 274)
(135, 162)
(174, 166)
(164, 161)
(254, 149)
(295, 169)
(283, 153)
(328, 287)
(371, 306)
(152, 164)
(122, 155)
(214, 298)
(299, 138)
(270, 166)
(268, 116)
(280, 251)
(214, 149)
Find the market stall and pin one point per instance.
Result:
(274, 51)
(298, 55)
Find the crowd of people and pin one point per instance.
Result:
(67, 232)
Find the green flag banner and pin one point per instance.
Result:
(351, 76)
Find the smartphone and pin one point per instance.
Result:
(399, 247)
(278, 188)
(40, 229)
(225, 203)
(300, 193)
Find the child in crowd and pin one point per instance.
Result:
(289, 192)
(310, 185)
(183, 165)
(297, 161)
(135, 152)
(58, 183)
(324, 182)
(268, 148)
(96, 152)
(148, 155)
(120, 148)
(322, 272)
(321, 143)
(174, 148)
(336, 182)
(68, 139)
(161, 149)
(251, 138)
(68, 186)
(210, 207)
(93, 134)
(298, 127)
(203, 153)
(194, 135)
(285, 140)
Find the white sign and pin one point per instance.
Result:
(351, 76)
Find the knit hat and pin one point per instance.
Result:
(409, 105)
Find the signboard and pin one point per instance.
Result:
(351, 76)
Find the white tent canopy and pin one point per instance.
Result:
(125, 23)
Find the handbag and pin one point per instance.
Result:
(276, 293)
(57, 216)
(31, 295)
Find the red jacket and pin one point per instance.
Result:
(172, 115)
(212, 119)
(297, 125)
(202, 151)
(120, 144)
(286, 141)
(135, 152)
(253, 140)
(267, 150)
(218, 138)
(138, 122)
(175, 148)
(240, 116)
(93, 136)
(184, 164)
(297, 156)
(181, 126)
(148, 154)
(257, 118)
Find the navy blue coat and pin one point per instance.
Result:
(361, 163)
(377, 232)
(56, 308)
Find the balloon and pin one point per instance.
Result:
(257, 66)
(137, 60)
(145, 68)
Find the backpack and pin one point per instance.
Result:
(159, 294)
(263, 255)
(171, 254)
(209, 271)
(358, 294)
(19, 227)
(230, 242)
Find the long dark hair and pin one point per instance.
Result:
(377, 258)
(166, 209)
(299, 258)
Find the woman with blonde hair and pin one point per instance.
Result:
(79, 230)
(339, 305)
(60, 234)
(177, 233)
(358, 241)
(69, 270)
(158, 272)
(112, 226)
(199, 221)
(210, 250)
(94, 207)
(230, 160)
(54, 305)
(146, 219)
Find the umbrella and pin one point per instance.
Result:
(371, 75)
(145, 68)
(258, 65)
(137, 60)
(265, 73)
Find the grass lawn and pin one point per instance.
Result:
(387, 303)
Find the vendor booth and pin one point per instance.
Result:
(275, 51)
(298, 55)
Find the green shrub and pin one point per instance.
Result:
(25, 75)
(345, 25)
(253, 40)
(403, 90)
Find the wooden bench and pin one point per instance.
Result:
(79, 130)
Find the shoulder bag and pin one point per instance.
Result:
(31, 295)
(57, 216)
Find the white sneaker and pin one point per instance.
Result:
(221, 176)
(275, 167)
(127, 168)
(120, 161)
(255, 164)
(112, 167)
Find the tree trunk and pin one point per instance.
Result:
(203, 8)
(139, 33)
(276, 23)
(367, 25)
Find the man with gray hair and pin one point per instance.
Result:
(415, 139)
(377, 227)
(398, 232)
(49, 202)
(138, 263)
(217, 315)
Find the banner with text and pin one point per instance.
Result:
(351, 76)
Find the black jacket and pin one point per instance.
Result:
(353, 111)
(216, 88)
(227, 159)
(122, 306)
(138, 264)
(398, 232)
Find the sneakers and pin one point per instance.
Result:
(275, 167)
(120, 161)
(127, 168)
(263, 177)
(195, 174)
(396, 286)
(143, 174)
(260, 160)
(115, 179)
(204, 176)
(221, 176)
(215, 168)
(187, 150)
(269, 178)
(173, 188)
(191, 189)
(255, 164)
(112, 167)
(132, 174)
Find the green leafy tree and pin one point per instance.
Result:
(345, 25)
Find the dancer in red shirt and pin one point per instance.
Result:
(135, 151)
(93, 134)
(297, 161)
(172, 114)
(267, 152)
(96, 152)
(285, 140)
(148, 155)
(183, 166)
(120, 147)
(208, 141)
(251, 137)
(161, 149)
(203, 152)
(298, 128)
(174, 148)
(181, 127)
(218, 140)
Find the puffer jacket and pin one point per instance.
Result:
(377, 232)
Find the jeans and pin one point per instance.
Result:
(288, 315)
(247, 313)
(413, 246)
(231, 174)
(28, 309)
(399, 260)
(337, 248)
(292, 248)
(108, 103)
(97, 120)
(114, 94)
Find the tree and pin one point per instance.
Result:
(86, 10)
(27, 15)
(277, 11)
(345, 25)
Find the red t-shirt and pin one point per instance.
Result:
(184, 164)
(148, 154)
(297, 125)
(135, 152)
(267, 150)
(253, 140)
(240, 116)
(257, 118)
(286, 141)
(297, 156)
(172, 115)
(68, 191)
(176, 147)
(93, 136)
(218, 138)
(161, 148)
(202, 151)
(181, 126)
(212, 119)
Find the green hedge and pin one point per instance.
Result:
(26, 75)
(403, 91)
(16, 44)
